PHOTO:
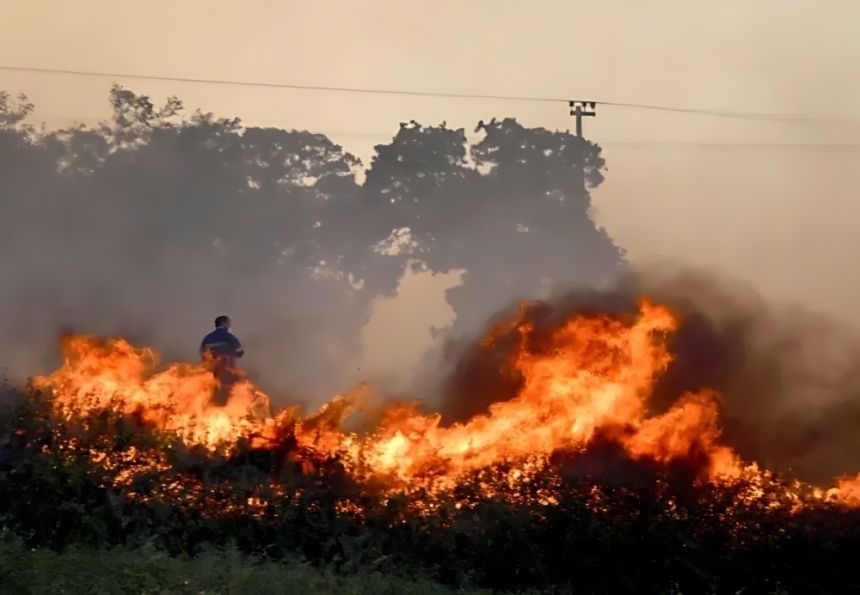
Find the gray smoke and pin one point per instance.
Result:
(153, 224)
(789, 379)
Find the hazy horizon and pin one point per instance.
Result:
(679, 187)
(766, 202)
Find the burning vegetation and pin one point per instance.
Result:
(590, 379)
(578, 442)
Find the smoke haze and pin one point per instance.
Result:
(153, 223)
(789, 379)
(770, 201)
(766, 206)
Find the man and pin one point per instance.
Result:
(221, 349)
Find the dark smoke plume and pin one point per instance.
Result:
(790, 379)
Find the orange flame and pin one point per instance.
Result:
(113, 374)
(590, 376)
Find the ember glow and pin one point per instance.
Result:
(591, 377)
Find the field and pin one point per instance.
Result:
(149, 570)
(657, 533)
(120, 474)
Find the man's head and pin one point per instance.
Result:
(222, 322)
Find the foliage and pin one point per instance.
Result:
(213, 571)
(628, 530)
(158, 216)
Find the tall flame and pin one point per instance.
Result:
(591, 376)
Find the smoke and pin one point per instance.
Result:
(297, 344)
(268, 225)
(404, 327)
(153, 224)
(789, 378)
(128, 245)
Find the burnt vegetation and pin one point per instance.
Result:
(618, 525)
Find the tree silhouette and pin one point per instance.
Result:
(416, 192)
(12, 115)
(156, 215)
(516, 218)
(536, 186)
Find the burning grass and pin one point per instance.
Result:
(572, 482)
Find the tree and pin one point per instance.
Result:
(154, 221)
(417, 193)
(13, 115)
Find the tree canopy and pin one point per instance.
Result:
(156, 212)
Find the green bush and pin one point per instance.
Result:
(212, 571)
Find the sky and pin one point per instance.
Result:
(770, 202)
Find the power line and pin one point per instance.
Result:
(727, 144)
(620, 144)
(402, 92)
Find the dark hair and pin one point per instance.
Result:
(221, 321)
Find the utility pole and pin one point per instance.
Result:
(580, 109)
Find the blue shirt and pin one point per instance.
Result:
(222, 343)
